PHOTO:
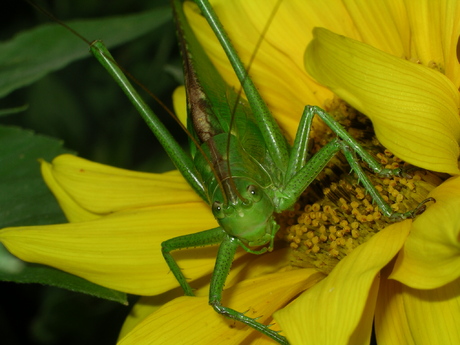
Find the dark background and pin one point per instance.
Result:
(82, 106)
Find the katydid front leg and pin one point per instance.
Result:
(351, 148)
(224, 260)
(199, 239)
(227, 250)
(302, 173)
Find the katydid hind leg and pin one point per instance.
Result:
(222, 267)
(182, 160)
(199, 239)
(271, 132)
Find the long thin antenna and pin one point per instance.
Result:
(240, 90)
(137, 82)
(57, 20)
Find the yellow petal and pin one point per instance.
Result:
(121, 251)
(376, 24)
(435, 27)
(391, 326)
(72, 210)
(342, 305)
(431, 254)
(145, 306)
(248, 267)
(82, 186)
(277, 69)
(256, 266)
(434, 314)
(423, 317)
(180, 104)
(191, 320)
(414, 109)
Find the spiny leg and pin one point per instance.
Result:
(370, 188)
(349, 147)
(299, 152)
(342, 133)
(223, 264)
(304, 172)
(199, 239)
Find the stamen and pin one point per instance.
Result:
(336, 214)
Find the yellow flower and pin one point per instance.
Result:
(119, 218)
(405, 77)
(413, 301)
(407, 102)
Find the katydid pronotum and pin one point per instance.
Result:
(245, 184)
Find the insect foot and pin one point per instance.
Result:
(407, 171)
(398, 172)
(337, 214)
(412, 214)
(235, 315)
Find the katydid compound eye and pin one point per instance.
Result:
(217, 210)
(254, 192)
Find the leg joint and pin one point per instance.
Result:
(219, 308)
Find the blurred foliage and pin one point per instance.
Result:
(81, 105)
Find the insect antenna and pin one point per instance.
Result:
(57, 20)
(139, 84)
(240, 90)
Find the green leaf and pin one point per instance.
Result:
(25, 200)
(31, 273)
(11, 111)
(32, 54)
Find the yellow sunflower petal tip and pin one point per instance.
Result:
(414, 109)
(430, 258)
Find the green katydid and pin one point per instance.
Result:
(243, 167)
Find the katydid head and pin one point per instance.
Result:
(248, 217)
